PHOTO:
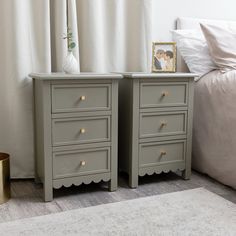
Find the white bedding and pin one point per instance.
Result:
(214, 126)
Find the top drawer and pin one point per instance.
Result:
(81, 97)
(170, 94)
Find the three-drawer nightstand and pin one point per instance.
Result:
(76, 120)
(155, 124)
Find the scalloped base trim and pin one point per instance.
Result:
(67, 182)
(143, 172)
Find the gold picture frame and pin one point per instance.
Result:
(163, 57)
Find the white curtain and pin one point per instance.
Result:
(111, 35)
(24, 47)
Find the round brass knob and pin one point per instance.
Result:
(82, 131)
(164, 94)
(82, 98)
(163, 153)
(163, 123)
(82, 163)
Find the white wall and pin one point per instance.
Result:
(165, 13)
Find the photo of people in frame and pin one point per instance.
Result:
(164, 57)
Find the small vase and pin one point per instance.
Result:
(70, 64)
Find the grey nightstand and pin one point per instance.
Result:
(76, 120)
(155, 124)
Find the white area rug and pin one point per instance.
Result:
(191, 212)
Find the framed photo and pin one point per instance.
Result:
(163, 57)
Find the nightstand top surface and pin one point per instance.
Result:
(159, 75)
(60, 76)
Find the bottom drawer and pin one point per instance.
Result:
(81, 162)
(151, 154)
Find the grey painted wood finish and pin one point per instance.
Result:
(26, 198)
(140, 75)
(93, 97)
(172, 94)
(68, 131)
(76, 122)
(69, 163)
(80, 76)
(153, 154)
(155, 124)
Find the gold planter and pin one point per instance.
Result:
(5, 191)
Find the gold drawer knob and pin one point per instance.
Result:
(163, 153)
(83, 163)
(163, 123)
(82, 131)
(164, 94)
(82, 98)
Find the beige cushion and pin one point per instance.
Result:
(222, 45)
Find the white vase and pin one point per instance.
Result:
(70, 64)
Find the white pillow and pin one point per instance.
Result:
(193, 48)
(194, 23)
(222, 45)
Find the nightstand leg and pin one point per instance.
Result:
(37, 180)
(133, 181)
(186, 174)
(48, 193)
(113, 185)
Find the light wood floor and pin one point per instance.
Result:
(26, 195)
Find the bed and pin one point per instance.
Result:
(214, 125)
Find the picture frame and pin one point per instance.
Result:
(163, 57)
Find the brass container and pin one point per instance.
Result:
(5, 191)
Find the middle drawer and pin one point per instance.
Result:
(162, 123)
(69, 131)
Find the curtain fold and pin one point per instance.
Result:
(111, 35)
(117, 37)
(24, 47)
